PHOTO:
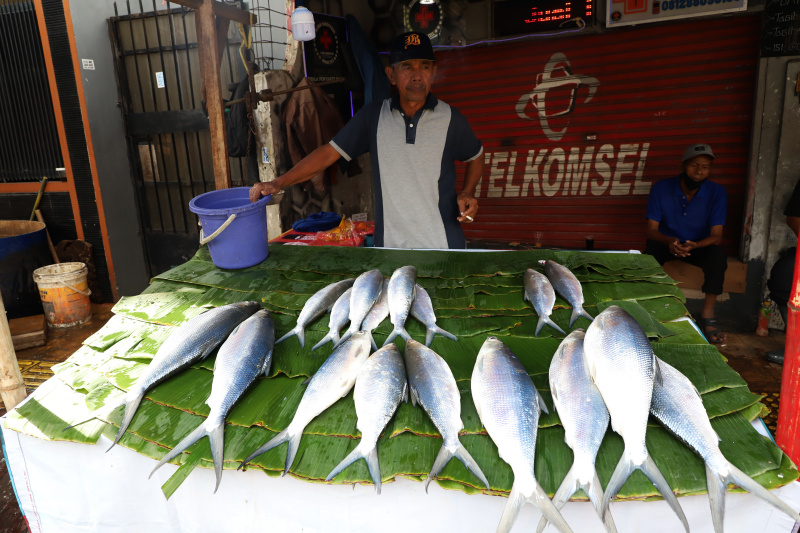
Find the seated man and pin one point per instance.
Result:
(685, 217)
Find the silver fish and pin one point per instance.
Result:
(380, 386)
(340, 314)
(434, 387)
(332, 381)
(366, 291)
(508, 405)
(377, 314)
(402, 289)
(623, 366)
(568, 286)
(677, 404)
(585, 419)
(422, 310)
(539, 292)
(187, 344)
(245, 354)
(316, 305)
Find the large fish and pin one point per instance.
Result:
(187, 344)
(434, 387)
(332, 381)
(316, 305)
(677, 404)
(508, 405)
(380, 386)
(377, 314)
(340, 314)
(585, 419)
(568, 286)
(623, 366)
(539, 292)
(402, 289)
(422, 310)
(366, 291)
(245, 354)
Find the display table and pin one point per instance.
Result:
(67, 486)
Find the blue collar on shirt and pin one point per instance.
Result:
(430, 102)
(701, 191)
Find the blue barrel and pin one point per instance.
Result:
(23, 249)
(243, 241)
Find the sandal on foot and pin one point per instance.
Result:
(711, 331)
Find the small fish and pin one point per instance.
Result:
(187, 344)
(434, 387)
(508, 405)
(245, 354)
(366, 291)
(333, 380)
(678, 405)
(422, 310)
(539, 292)
(402, 289)
(380, 387)
(567, 286)
(585, 419)
(377, 314)
(624, 368)
(340, 313)
(315, 306)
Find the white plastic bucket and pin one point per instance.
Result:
(64, 291)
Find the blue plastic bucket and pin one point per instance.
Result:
(23, 249)
(242, 242)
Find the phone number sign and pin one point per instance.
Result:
(629, 12)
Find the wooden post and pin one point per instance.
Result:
(788, 434)
(12, 388)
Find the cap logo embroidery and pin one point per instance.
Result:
(412, 40)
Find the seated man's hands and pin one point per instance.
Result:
(682, 250)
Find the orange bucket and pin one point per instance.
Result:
(64, 291)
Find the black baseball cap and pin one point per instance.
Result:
(411, 45)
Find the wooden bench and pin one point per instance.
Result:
(690, 277)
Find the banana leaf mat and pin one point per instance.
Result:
(474, 295)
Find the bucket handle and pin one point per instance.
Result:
(88, 292)
(206, 240)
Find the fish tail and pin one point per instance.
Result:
(347, 335)
(594, 490)
(325, 339)
(391, 337)
(278, 439)
(371, 340)
(744, 481)
(534, 494)
(549, 321)
(622, 472)
(361, 452)
(374, 468)
(657, 478)
(294, 331)
(130, 409)
(404, 334)
(433, 330)
(216, 438)
(429, 334)
(717, 488)
(198, 433)
(576, 312)
(586, 315)
(565, 491)
(462, 455)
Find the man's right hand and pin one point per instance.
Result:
(679, 250)
(263, 189)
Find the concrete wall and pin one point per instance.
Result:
(90, 23)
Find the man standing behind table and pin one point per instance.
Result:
(685, 217)
(414, 140)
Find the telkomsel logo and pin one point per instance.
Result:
(557, 74)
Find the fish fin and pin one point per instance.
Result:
(576, 312)
(657, 478)
(463, 455)
(391, 337)
(657, 377)
(624, 469)
(555, 326)
(198, 433)
(374, 468)
(542, 404)
(553, 392)
(351, 458)
(445, 333)
(307, 380)
(292, 332)
(594, 490)
(372, 341)
(565, 491)
(325, 339)
(537, 497)
(510, 512)
(717, 489)
(744, 481)
(429, 335)
(370, 456)
(539, 326)
(216, 439)
(130, 410)
(405, 391)
(586, 315)
(442, 458)
(347, 335)
(413, 393)
(404, 334)
(278, 439)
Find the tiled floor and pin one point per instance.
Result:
(745, 352)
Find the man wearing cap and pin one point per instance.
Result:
(414, 140)
(685, 217)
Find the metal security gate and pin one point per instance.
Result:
(166, 126)
(576, 130)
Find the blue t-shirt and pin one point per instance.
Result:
(687, 221)
(413, 169)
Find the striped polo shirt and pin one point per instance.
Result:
(413, 169)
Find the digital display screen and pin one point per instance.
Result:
(519, 17)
